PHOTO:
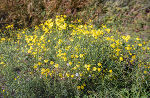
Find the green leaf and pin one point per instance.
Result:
(43, 13)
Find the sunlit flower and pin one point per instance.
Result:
(35, 66)
(72, 76)
(67, 74)
(56, 65)
(108, 30)
(82, 87)
(137, 38)
(99, 69)
(99, 64)
(81, 55)
(45, 61)
(94, 68)
(140, 45)
(51, 62)
(112, 45)
(78, 87)
(145, 72)
(126, 38)
(110, 71)
(121, 58)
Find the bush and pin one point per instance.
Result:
(63, 59)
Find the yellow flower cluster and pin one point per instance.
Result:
(60, 22)
(87, 30)
(9, 26)
(77, 50)
(36, 44)
(47, 26)
(81, 87)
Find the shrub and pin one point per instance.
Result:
(63, 59)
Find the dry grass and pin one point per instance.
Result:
(127, 16)
(32, 12)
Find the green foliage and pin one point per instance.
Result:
(61, 59)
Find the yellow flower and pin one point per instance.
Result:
(59, 50)
(89, 65)
(31, 73)
(104, 26)
(99, 69)
(65, 59)
(126, 38)
(35, 67)
(29, 51)
(76, 56)
(108, 30)
(39, 63)
(40, 58)
(68, 47)
(9, 26)
(48, 41)
(47, 70)
(110, 71)
(133, 57)
(85, 65)
(99, 64)
(78, 87)
(51, 62)
(117, 42)
(139, 44)
(128, 47)
(60, 75)
(130, 53)
(82, 87)
(45, 61)
(2, 63)
(145, 72)
(74, 68)
(84, 84)
(56, 65)
(43, 71)
(50, 74)
(112, 45)
(132, 45)
(94, 68)
(3, 39)
(64, 54)
(70, 63)
(72, 76)
(67, 74)
(121, 58)
(72, 56)
(81, 55)
(137, 38)
(88, 68)
(77, 65)
(3, 90)
(143, 48)
(118, 50)
(80, 74)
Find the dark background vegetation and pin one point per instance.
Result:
(128, 16)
